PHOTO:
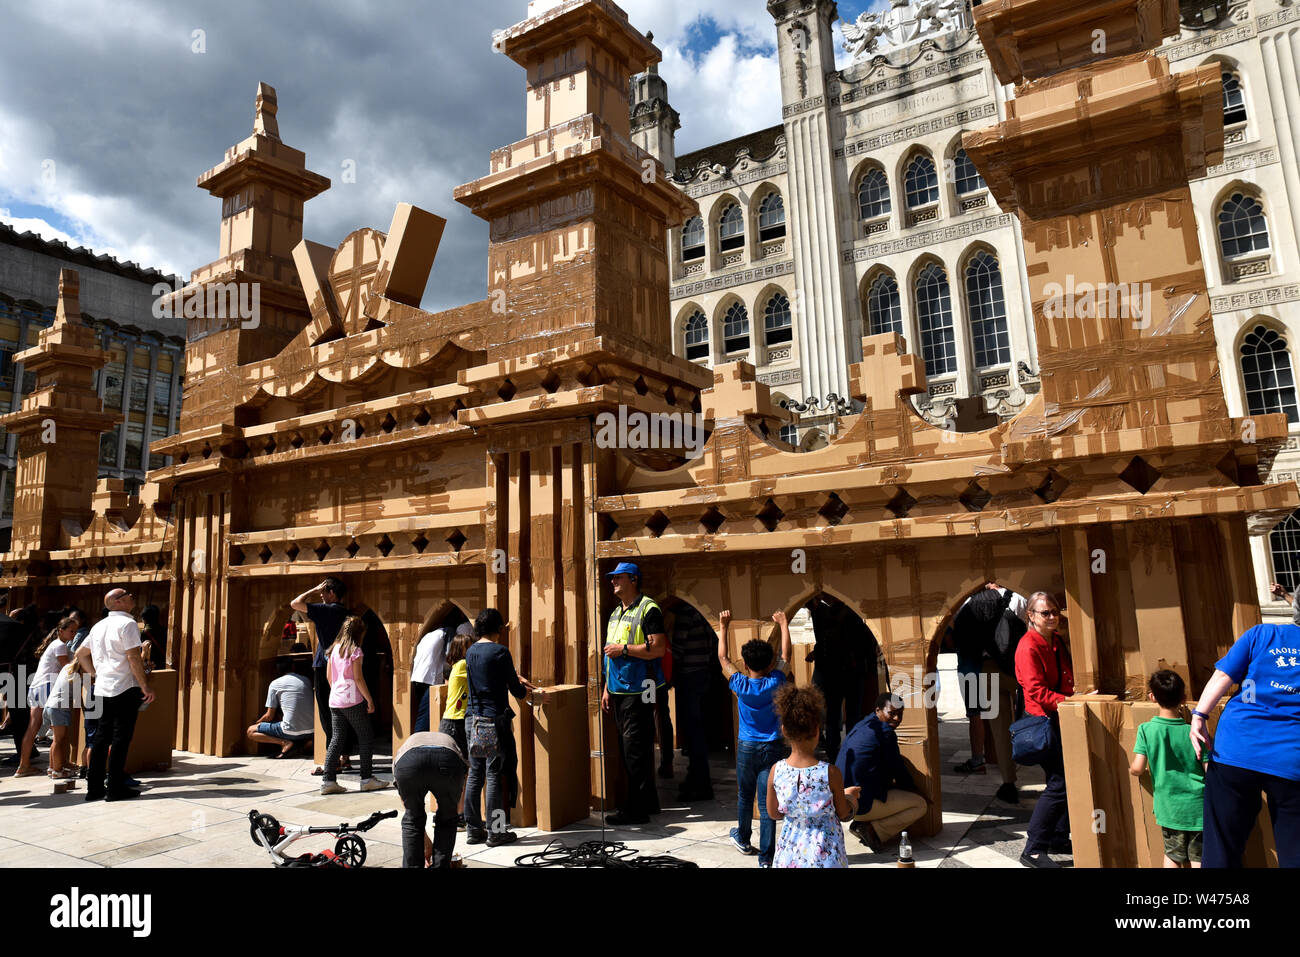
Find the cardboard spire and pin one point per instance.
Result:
(69, 308)
(265, 122)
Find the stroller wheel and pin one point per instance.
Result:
(268, 826)
(350, 851)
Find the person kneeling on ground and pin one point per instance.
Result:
(870, 759)
(291, 695)
(429, 762)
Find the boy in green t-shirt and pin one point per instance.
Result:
(1177, 776)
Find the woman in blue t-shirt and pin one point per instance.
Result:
(1256, 746)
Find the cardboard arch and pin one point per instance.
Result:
(440, 613)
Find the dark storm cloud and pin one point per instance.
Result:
(116, 96)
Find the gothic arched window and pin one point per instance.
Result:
(776, 320)
(1267, 375)
(1242, 227)
(934, 318)
(735, 329)
(731, 229)
(921, 182)
(1284, 545)
(693, 239)
(1234, 99)
(771, 217)
(988, 311)
(697, 336)
(873, 194)
(966, 177)
(884, 308)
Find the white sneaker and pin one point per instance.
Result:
(332, 787)
(375, 784)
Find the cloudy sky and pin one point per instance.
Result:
(112, 109)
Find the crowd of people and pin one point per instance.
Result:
(807, 755)
(1014, 668)
(75, 677)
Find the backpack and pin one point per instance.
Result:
(1006, 638)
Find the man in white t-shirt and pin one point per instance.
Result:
(111, 652)
(430, 668)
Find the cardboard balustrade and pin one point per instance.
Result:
(457, 458)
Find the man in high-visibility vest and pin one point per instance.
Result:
(635, 640)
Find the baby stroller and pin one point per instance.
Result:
(349, 850)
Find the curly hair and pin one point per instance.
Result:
(800, 711)
(757, 654)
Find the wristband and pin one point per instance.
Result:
(1200, 714)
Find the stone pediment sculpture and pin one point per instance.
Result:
(902, 24)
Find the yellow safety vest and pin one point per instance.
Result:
(627, 675)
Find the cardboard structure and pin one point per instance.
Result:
(460, 459)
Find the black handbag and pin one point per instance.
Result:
(1035, 737)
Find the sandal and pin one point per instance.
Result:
(970, 767)
(318, 772)
(26, 772)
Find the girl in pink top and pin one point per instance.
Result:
(351, 707)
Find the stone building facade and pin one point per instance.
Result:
(144, 374)
(884, 222)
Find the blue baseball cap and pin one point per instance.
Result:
(625, 568)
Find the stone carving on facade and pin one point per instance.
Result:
(903, 24)
(941, 413)
(799, 43)
(817, 406)
(1270, 296)
(1004, 403)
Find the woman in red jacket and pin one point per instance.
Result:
(1046, 676)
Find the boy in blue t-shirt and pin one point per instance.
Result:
(1177, 775)
(760, 745)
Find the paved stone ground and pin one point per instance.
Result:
(195, 815)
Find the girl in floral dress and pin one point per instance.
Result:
(807, 794)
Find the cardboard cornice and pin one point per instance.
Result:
(1056, 129)
(578, 20)
(47, 404)
(380, 526)
(594, 352)
(1273, 501)
(263, 159)
(601, 160)
(1027, 39)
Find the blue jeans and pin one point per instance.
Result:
(754, 759)
(495, 773)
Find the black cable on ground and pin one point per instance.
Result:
(596, 854)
